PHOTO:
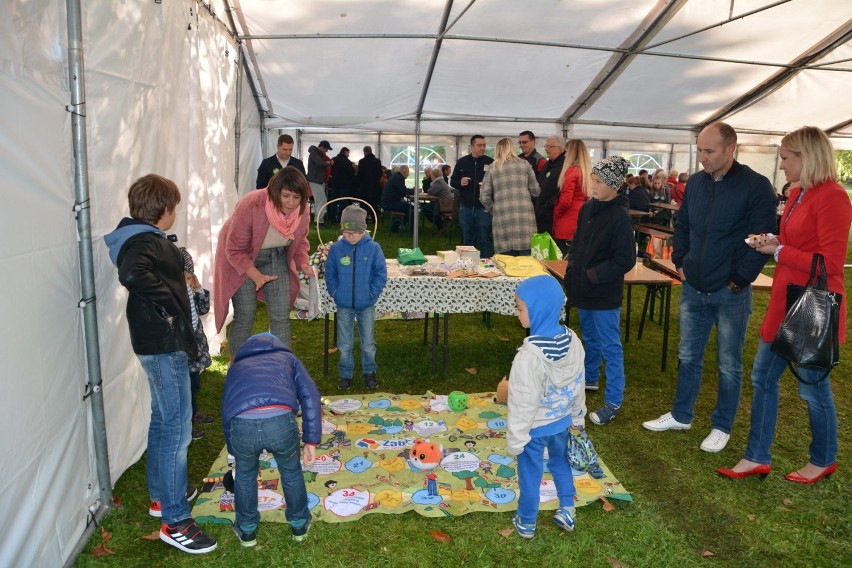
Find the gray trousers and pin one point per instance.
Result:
(272, 262)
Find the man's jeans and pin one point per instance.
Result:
(602, 340)
(279, 435)
(476, 230)
(169, 433)
(765, 376)
(273, 262)
(531, 468)
(699, 312)
(346, 339)
(318, 189)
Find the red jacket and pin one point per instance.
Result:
(820, 223)
(567, 208)
(677, 192)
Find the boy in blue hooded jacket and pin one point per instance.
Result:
(355, 275)
(546, 397)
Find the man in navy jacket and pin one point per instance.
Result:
(281, 159)
(725, 203)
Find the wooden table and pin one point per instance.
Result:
(636, 213)
(665, 265)
(640, 275)
(669, 206)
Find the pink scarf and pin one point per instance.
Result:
(283, 223)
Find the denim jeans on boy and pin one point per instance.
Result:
(699, 312)
(279, 435)
(169, 433)
(476, 230)
(602, 341)
(346, 339)
(272, 262)
(531, 468)
(765, 376)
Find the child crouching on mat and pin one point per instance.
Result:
(265, 387)
(546, 396)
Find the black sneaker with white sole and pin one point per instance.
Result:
(186, 536)
(155, 509)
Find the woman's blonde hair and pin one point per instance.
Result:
(504, 152)
(813, 146)
(576, 154)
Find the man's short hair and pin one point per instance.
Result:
(151, 196)
(558, 140)
(682, 177)
(643, 172)
(728, 134)
(474, 137)
(285, 139)
(444, 168)
(368, 150)
(527, 133)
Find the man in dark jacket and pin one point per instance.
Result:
(264, 390)
(393, 196)
(725, 203)
(319, 164)
(467, 179)
(151, 267)
(342, 181)
(281, 159)
(526, 140)
(550, 182)
(367, 179)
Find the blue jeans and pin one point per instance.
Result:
(602, 341)
(531, 469)
(276, 294)
(518, 252)
(169, 433)
(699, 312)
(765, 376)
(476, 229)
(346, 339)
(279, 435)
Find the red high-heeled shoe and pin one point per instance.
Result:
(761, 469)
(796, 478)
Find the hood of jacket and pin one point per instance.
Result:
(544, 299)
(127, 227)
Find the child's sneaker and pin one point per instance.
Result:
(155, 508)
(525, 530)
(247, 539)
(592, 386)
(564, 517)
(197, 434)
(186, 536)
(199, 418)
(372, 381)
(344, 383)
(301, 533)
(604, 415)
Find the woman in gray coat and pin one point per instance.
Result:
(507, 192)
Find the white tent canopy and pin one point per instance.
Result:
(190, 89)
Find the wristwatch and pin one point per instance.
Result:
(734, 288)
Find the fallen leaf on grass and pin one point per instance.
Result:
(506, 533)
(615, 562)
(152, 536)
(504, 339)
(332, 350)
(472, 370)
(105, 535)
(607, 506)
(787, 501)
(751, 517)
(101, 550)
(440, 536)
(708, 554)
(116, 500)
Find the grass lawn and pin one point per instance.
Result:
(683, 513)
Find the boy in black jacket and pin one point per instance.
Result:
(603, 252)
(151, 267)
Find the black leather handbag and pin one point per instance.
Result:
(808, 336)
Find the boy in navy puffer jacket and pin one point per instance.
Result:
(355, 275)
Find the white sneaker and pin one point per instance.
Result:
(716, 441)
(666, 422)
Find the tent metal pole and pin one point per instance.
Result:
(415, 220)
(77, 109)
(264, 134)
(238, 120)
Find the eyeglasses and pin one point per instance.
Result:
(551, 145)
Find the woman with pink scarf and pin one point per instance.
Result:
(261, 249)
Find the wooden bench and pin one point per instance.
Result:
(668, 231)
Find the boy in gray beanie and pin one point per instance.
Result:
(355, 275)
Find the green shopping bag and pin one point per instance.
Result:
(543, 247)
(409, 257)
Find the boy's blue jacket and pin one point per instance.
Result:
(355, 275)
(266, 373)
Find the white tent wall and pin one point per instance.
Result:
(160, 99)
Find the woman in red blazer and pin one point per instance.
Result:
(576, 188)
(816, 219)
